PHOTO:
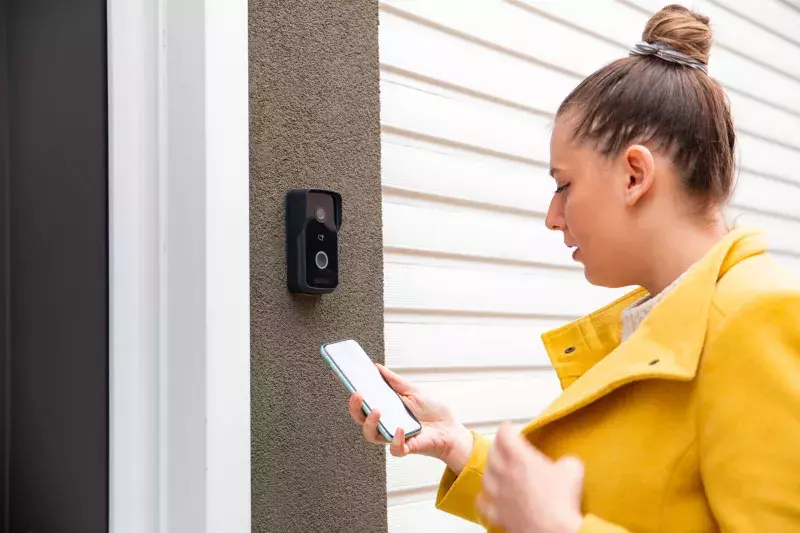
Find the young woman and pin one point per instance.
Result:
(681, 403)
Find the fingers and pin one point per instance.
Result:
(506, 440)
(370, 429)
(355, 410)
(503, 445)
(400, 385)
(489, 484)
(512, 446)
(572, 467)
(573, 471)
(369, 424)
(481, 504)
(486, 509)
(399, 448)
(496, 466)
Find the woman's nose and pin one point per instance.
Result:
(555, 216)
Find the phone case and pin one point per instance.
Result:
(364, 406)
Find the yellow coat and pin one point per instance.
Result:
(693, 424)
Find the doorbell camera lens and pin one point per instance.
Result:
(322, 260)
(320, 214)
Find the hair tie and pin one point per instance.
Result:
(667, 53)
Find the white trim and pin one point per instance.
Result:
(133, 266)
(180, 302)
(228, 266)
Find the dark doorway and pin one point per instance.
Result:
(53, 267)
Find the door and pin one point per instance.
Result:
(53, 267)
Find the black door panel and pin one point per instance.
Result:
(54, 284)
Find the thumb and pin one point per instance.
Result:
(400, 385)
(415, 445)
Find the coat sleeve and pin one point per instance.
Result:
(748, 416)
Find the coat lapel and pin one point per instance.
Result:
(666, 345)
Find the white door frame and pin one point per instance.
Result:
(179, 266)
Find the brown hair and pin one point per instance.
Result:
(671, 107)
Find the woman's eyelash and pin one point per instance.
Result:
(561, 188)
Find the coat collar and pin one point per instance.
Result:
(591, 362)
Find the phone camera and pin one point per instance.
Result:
(320, 214)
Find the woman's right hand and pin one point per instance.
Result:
(441, 437)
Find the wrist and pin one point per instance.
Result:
(457, 456)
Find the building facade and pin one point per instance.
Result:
(152, 354)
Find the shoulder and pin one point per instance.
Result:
(755, 325)
(747, 397)
(751, 290)
(746, 400)
(751, 364)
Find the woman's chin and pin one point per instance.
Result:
(602, 279)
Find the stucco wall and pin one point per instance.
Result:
(314, 104)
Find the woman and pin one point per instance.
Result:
(681, 402)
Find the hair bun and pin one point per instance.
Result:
(682, 29)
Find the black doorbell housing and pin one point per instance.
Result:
(313, 220)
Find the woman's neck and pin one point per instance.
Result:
(677, 249)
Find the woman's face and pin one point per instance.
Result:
(591, 206)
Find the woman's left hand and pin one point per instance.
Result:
(525, 492)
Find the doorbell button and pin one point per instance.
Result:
(322, 260)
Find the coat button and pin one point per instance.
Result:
(570, 349)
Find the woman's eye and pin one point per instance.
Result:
(562, 188)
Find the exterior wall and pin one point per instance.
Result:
(468, 93)
(314, 105)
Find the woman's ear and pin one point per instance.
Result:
(640, 166)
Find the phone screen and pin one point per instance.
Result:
(355, 365)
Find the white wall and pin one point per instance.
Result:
(468, 92)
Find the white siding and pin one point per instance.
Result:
(468, 92)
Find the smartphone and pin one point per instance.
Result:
(356, 370)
